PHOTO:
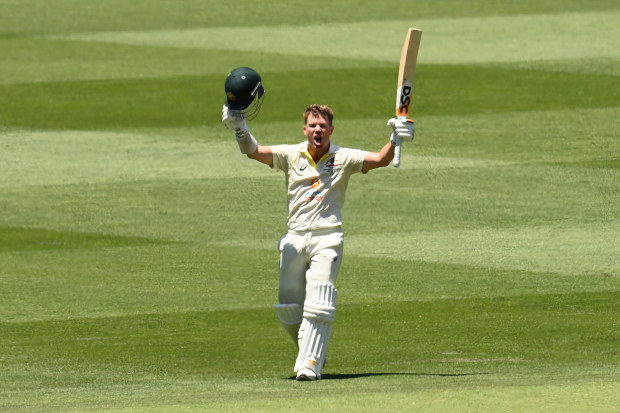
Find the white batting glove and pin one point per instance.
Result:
(234, 120)
(402, 129)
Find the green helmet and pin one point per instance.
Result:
(244, 91)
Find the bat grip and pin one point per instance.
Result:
(396, 161)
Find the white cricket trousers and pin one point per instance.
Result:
(307, 258)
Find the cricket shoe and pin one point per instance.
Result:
(307, 375)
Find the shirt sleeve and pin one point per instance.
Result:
(281, 156)
(355, 160)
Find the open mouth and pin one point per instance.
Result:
(318, 139)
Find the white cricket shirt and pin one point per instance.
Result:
(316, 192)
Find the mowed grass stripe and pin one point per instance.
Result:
(27, 16)
(406, 392)
(47, 60)
(540, 342)
(160, 278)
(527, 330)
(125, 277)
(196, 100)
(583, 139)
(41, 239)
(488, 392)
(587, 251)
(69, 157)
(34, 60)
(496, 39)
(564, 137)
(199, 211)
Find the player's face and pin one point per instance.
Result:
(318, 130)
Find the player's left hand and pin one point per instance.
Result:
(403, 128)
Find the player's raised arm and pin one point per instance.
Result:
(244, 94)
(401, 130)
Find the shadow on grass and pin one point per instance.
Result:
(362, 375)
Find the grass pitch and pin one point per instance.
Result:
(138, 261)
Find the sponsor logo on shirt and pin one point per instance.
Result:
(314, 194)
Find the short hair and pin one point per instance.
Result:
(322, 111)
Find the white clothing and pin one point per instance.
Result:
(311, 250)
(316, 191)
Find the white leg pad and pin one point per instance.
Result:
(319, 313)
(290, 316)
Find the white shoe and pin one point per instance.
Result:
(307, 375)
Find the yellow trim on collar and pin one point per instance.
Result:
(311, 159)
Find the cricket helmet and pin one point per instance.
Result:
(244, 91)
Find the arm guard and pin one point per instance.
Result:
(247, 143)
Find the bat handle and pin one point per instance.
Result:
(396, 161)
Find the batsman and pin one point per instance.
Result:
(317, 173)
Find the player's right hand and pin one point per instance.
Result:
(395, 139)
(234, 120)
(403, 128)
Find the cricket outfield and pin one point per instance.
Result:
(138, 261)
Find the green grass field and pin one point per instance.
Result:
(138, 261)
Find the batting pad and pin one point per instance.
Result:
(316, 327)
(291, 316)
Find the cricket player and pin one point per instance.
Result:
(317, 172)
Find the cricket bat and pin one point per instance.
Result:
(406, 73)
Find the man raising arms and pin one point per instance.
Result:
(317, 172)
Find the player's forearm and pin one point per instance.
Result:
(386, 154)
(379, 159)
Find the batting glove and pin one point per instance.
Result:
(234, 120)
(402, 129)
